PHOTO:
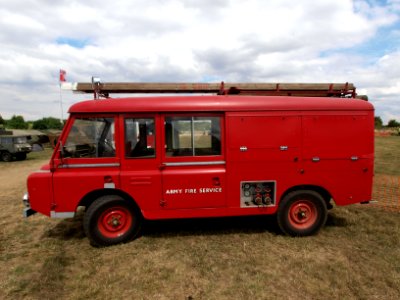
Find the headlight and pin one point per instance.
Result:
(25, 200)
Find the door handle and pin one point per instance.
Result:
(216, 181)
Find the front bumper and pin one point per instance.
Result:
(28, 211)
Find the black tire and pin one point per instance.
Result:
(111, 220)
(20, 156)
(302, 213)
(6, 156)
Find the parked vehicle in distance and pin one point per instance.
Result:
(130, 159)
(14, 147)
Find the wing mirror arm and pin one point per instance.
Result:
(53, 164)
(61, 149)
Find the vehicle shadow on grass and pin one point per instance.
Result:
(226, 225)
(72, 229)
(336, 221)
(210, 226)
(67, 229)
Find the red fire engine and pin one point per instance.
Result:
(235, 153)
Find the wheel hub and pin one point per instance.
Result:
(115, 222)
(302, 214)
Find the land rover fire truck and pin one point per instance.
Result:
(249, 149)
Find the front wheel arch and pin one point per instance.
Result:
(89, 198)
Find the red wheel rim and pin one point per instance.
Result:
(302, 214)
(115, 222)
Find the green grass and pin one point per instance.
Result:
(45, 154)
(387, 155)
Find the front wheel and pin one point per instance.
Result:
(302, 213)
(111, 220)
(6, 156)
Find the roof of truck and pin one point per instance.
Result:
(218, 103)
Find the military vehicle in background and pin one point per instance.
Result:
(13, 146)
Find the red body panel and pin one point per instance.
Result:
(285, 142)
(188, 187)
(40, 188)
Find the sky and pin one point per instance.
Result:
(355, 41)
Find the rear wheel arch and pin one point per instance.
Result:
(325, 194)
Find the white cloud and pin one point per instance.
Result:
(230, 40)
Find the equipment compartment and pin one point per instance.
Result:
(257, 193)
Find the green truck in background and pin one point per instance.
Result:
(13, 146)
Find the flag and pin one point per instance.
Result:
(63, 75)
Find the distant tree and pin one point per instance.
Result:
(17, 122)
(378, 122)
(47, 123)
(393, 123)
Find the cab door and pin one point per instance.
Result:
(140, 167)
(87, 161)
(193, 162)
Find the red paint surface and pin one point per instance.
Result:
(330, 129)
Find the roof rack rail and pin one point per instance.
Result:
(101, 89)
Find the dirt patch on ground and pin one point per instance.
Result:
(13, 174)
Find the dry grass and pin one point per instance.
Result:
(387, 155)
(387, 172)
(356, 256)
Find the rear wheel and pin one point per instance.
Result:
(6, 156)
(111, 220)
(302, 213)
(20, 156)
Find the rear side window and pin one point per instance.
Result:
(139, 138)
(193, 136)
(90, 138)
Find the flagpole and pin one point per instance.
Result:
(61, 106)
(61, 80)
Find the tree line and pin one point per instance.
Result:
(18, 122)
(391, 124)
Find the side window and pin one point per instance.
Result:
(193, 136)
(139, 137)
(91, 138)
(6, 141)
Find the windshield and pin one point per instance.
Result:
(20, 140)
(91, 137)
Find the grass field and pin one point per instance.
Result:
(356, 256)
(387, 155)
(387, 172)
